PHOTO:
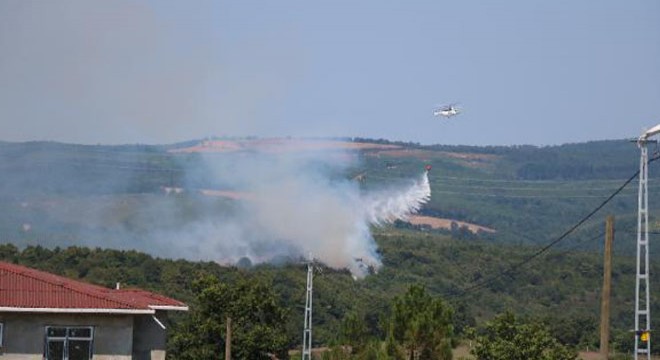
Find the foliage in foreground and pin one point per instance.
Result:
(506, 338)
(419, 327)
(257, 322)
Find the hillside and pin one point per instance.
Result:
(525, 194)
(172, 203)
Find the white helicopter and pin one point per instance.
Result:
(447, 111)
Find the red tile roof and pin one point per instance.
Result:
(25, 289)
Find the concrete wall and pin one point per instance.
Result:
(24, 334)
(149, 338)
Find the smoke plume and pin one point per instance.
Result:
(273, 205)
(291, 206)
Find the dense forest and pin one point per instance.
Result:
(529, 195)
(560, 289)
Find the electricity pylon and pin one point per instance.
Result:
(642, 299)
(307, 332)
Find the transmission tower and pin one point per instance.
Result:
(642, 311)
(642, 300)
(307, 332)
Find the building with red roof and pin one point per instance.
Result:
(46, 316)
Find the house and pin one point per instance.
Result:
(45, 316)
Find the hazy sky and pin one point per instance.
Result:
(524, 71)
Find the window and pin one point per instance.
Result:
(69, 342)
(2, 332)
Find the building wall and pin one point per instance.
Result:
(24, 334)
(149, 338)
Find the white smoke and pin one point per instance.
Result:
(292, 206)
(332, 221)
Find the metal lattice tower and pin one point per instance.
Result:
(642, 300)
(307, 332)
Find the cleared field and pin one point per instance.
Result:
(440, 223)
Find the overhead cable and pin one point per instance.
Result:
(514, 267)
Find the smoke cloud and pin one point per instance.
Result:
(275, 205)
(126, 71)
(291, 206)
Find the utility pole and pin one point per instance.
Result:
(228, 340)
(607, 281)
(307, 332)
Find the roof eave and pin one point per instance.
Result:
(169, 307)
(76, 310)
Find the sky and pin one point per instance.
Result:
(155, 72)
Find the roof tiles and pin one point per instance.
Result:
(23, 288)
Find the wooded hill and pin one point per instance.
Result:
(529, 195)
(561, 289)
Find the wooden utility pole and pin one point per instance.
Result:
(228, 340)
(607, 282)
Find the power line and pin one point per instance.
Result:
(579, 243)
(130, 166)
(513, 181)
(587, 189)
(462, 179)
(635, 232)
(514, 267)
(567, 187)
(519, 196)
